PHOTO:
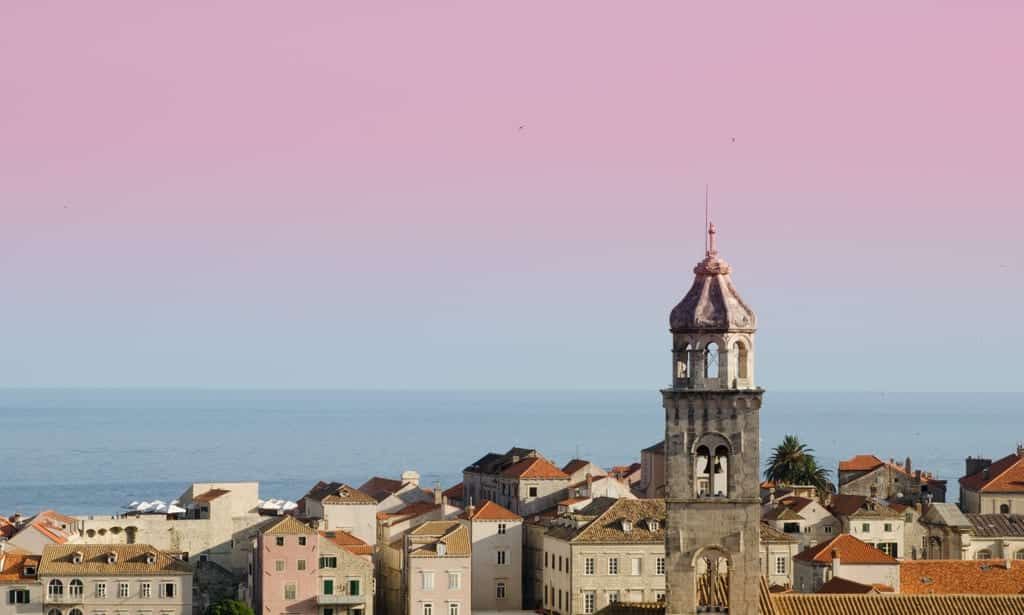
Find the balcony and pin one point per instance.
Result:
(339, 599)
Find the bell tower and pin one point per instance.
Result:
(711, 448)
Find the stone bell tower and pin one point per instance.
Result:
(711, 448)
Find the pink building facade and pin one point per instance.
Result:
(286, 569)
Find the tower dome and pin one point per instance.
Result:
(712, 303)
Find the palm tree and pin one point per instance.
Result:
(793, 463)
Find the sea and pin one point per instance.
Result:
(90, 452)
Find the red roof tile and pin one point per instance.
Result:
(961, 577)
(1003, 476)
(210, 495)
(860, 463)
(850, 550)
(455, 492)
(491, 511)
(348, 542)
(534, 467)
(837, 585)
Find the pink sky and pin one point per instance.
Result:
(341, 194)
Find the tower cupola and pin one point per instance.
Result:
(712, 329)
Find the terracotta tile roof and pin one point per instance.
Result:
(52, 532)
(15, 561)
(415, 509)
(770, 534)
(287, 525)
(534, 467)
(57, 560)
(54, 516)
(345, 495)
(490, 511)
(571, 501)
(861, 506)
(961, 577)
(837, 585)
(210, 495)
(996, 526)
(782, 513)
(851, 551)
(455, 492)
(452, 534)
(633, 467)
(348, 542)
(495, 463)
(860, 463)
(379, 488)
(889, 604)
(575, 466)
(795, 502)
(607, 527)
(1003, 476)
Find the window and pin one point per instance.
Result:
(75, 588)
(122, 590)
(888, 527)
(428, 609)
(453, 608)
(502, 529)
(780, 565)
(659, 596)
(791, 528)
(279, 541)
(300, 564)
(545, 559)
(328, 561)
(101, 590)
(30, 571)
(18, 596)
(828, 529)
(546, 595)
(354, 588)
(588, 602)
(279, 565)
(659, 566)
(613, 597)
(167, 590)
(613, 565)
(588, 567)
(502, 557)
(53, 612)
(1004, 509)
(328, 587)
(427, 580)
(889, 548)
(865, 527)
(55, 589)
(454, 580)
(533, 492)
(559, 563)
(499, 590)
(145, 590)
(637, 566)
(302, 541)
(75, 612)
(1019, 554)
(983, 554)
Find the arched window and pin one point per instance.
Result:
(713, 582)
(720, 472)
(683, 363)
(701, 466)
(75, 588)
(55, 589)
(1004, 509)
(711, 361)
(53, 612)
(742, 360)
(983, 554)
(75, 612)
(1019, 554)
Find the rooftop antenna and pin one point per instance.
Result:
(707, 219)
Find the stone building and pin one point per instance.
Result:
(652, 471)
(997, 487)
(867, 474)
(593, 561)
(438, 575)
(496, 534)
(20, 590)
(82, 579)
(803, 519)
(521, 480)
(947, 532)
(392, 495)
(845, 557)
(46, 528)
(777, 552)
(711, 446)
(345, 568)
(995, 536)
(337, 506)
(872, 521)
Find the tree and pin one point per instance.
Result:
(793, 463)
(229, 607)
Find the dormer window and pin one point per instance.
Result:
(627, 526)
(652, 525)
(76, 557)
(150, 558)
(442, 548)
(112, 557)
(29, 571)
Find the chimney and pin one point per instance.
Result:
(835, 563)
(412, 477)
(906, 465)
(771, 495)
(1020, 449)
(438, 497)
(470, 511)
(590, 485)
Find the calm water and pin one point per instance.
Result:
(90, 452)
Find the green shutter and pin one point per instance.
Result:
(328, 587)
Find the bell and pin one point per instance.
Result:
(718, 465)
